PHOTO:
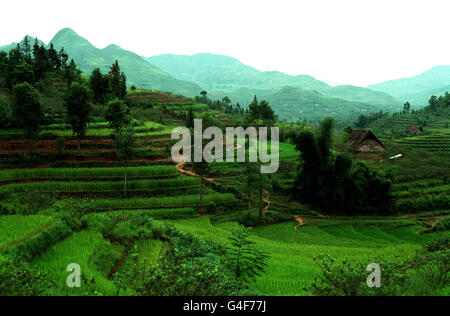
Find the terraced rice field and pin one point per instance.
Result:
(79, 248)
(438, 140)
(144, 186)
(14, 229)
(291, 265)
(87, 173)
(180, 201)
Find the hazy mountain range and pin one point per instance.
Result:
(293, 97)
(418, 89)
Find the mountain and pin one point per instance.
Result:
(418, 89)
(218, 72)
(364, 95)
(138, 71)
(31, 40)
(222, 75)
(291, 103)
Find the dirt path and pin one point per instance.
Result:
(180, 168)
(267, 200)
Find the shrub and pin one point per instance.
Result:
(20, 279)
(349, 278)
(443, 224)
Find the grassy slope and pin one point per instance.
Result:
(291, 265)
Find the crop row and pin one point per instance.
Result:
(425, 183)
(15, 228)
(87, 173)
(180, 201)
(155, 213)
(80, 187)
(425, 203)
(423, 191)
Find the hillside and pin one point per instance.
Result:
(223, 75)
(218, 72)
(292, 103)
(417, 89)
(139, 72)
(359, 94)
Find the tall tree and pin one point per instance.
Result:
(125, 143)
(27, 50)
(406, 107)
(41, 60)
(190, 118)
(117, 81)
(63, 57)
(72, 73)
(99, 84)
(78, 108)
(27, 110)
(261, 114)
(117, 114)
(55, 59)
(433, 103)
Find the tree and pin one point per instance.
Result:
(99, 85)
(226, 100)
(27, 110)
(63, 57)
(78, 108)
(41, 61)
(327, 180)
(190, 119)
(54, 57)
(433, 103)
(362, 121)
(117, 114)
(72, 73)
(5, 115)
(202, 168)
(117, 81)
(251, 169)
(246, 260)
(125, 143)
(406, 107)
(348, 131)
(203, 93)
(27, 50)
(21, 73)
(261, 114)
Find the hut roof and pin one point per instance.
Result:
(357, 138)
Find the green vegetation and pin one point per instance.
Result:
(100, 187)
(92, 181)
(14, 229)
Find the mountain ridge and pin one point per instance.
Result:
(139, 72)
(221, 74)
(417, 89)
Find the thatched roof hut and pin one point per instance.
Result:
(364, 141)
(413, 129)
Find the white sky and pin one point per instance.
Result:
(340, 41)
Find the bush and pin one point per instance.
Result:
(349, 278)
(20, 279)
(443, 224)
